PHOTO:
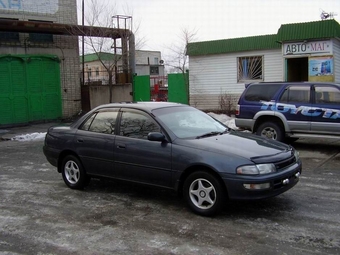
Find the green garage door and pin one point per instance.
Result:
(29, 88)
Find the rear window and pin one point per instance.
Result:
(261, 92)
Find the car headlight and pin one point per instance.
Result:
(256, 169)
(296, 155)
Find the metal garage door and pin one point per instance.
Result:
(29, 88)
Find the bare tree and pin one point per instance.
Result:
(177, 58)
(102, 14)
(178, 61)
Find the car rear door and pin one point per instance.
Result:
(327, 109)
(94, 142)
(137, 158)
(295, 105)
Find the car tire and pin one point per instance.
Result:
(73, 173)
(271, 130)
(203, 193)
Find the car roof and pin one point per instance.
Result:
(291, 83)
(146, 106)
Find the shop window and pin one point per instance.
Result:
(250, 68)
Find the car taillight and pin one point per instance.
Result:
(237, 111)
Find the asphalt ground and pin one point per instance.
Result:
(40, 215)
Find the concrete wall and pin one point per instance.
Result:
(65, 47)
(100, 94)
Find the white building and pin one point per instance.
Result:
(147, 63)
(297, 52)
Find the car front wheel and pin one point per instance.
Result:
(203, 193)
(271, 130)
(73, 173)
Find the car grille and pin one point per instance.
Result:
(285, 163)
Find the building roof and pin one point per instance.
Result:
(288, 32)
(96, 56)
(233, 45)
(309, 30)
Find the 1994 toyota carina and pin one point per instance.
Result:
(173, 146)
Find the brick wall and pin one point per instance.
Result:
(65, 47)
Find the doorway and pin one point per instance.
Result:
(296, 69)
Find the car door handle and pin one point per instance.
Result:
(80, 140)
(120, 146)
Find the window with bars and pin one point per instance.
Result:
(250, 68)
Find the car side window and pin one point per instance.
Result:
(296, 94)
(327, 95)
(137, 125)
(102, 122)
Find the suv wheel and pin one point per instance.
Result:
(270, 130)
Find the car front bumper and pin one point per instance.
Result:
(278, 183)
(247, 124)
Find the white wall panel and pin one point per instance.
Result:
(214, 75)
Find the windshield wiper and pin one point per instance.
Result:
(227, 130)
(208, 134)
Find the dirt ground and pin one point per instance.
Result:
(40, 215)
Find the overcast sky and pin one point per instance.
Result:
(161, 21)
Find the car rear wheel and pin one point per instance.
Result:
(203, 193)
(73, 173)
(270, 130)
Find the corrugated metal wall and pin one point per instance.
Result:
(213, 75)
(336, 55)
(29, 89)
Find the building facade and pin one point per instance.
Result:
(48, 63)
(298, 52)
(97, 64)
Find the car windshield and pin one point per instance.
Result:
(188, 122)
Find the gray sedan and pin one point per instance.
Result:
(172, 146)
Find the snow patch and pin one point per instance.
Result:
(29, 137)
(225, 119)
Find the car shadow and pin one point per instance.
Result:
(135, 191)
(166, 198)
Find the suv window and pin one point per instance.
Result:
(327, 95)
(300, 94)
(261, 92)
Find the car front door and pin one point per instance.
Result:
(327, 106)
(295, 105)
(94, 142)
(137, 158)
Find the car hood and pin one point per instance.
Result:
(242, 144)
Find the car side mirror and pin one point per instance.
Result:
(156, 136)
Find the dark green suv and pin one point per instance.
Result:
(281, 110)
